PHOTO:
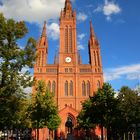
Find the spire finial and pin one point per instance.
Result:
(91, 29)
(44, 30)
(68, 5)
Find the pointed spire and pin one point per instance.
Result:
(91, 30)
(44, 30)
(79, 58)
(92, 39)
(56, 57)
(43, 39)
(68, 5)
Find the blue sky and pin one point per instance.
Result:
(116, 24)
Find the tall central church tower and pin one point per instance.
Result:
(70, 81)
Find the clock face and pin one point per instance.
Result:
(68, 59)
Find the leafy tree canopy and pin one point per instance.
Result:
(129, 105)
(13, 59)
(44, 111)
(116, 113)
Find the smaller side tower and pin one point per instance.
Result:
(42, 51)
(94, 52)
(56, 58)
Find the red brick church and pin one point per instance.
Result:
(70, 81)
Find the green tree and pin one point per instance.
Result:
(105, 108)
(44, 112)
(13, 59)
(84, 120)
(130, 108)
(101, 109)
(23, 116)
(53, 123)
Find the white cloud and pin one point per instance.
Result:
(82, 16)
(32, 10)
(108, 9)
(80, 46)
(81, 36)
(53, 31)
(133, 76)
(98, 9)
(111, 8)
(130, 72)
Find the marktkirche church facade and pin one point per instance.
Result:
(68, 79)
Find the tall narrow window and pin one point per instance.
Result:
(71, 88)
(88, 88)
(98, 59)
(95, 58)
(66, 39)
(42, 57)
(98, 84)
(49, 86)
(83, 88)
(70, 39)
(39, 57)
(66, 88)
(53, 87)
(95, 70)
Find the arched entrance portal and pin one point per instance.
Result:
(68, 117)
(70, 122)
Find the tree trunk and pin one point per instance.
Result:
(53, 134)
(108, 134)
(37, 130)
(102, 132)
(37, 133)
(124, 137)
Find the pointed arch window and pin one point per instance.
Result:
(83, 88)
(70, 39)
(66, 88)
(53, 88)
(49, 85)
(88, 88)
(66, 39)
(71, 88)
